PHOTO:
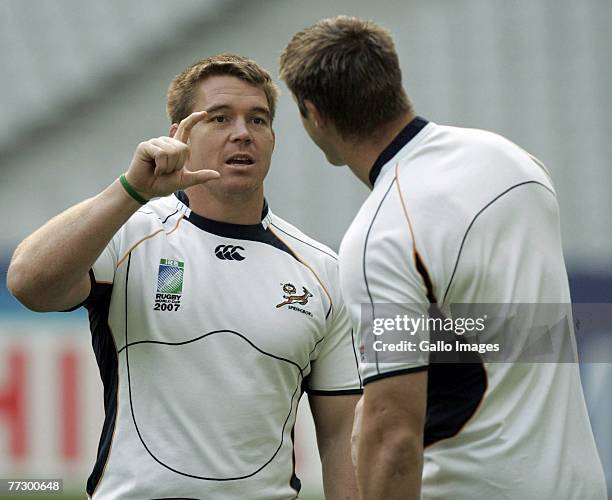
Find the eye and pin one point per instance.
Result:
(259, 121)
(219, 119)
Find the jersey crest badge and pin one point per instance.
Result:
(169, 285)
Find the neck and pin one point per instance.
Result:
(360, 155)
(232, 209)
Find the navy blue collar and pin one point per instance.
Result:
(238, 231)
(251, 232)
(400, 140)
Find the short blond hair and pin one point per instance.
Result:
(348, 68)
(182, 91)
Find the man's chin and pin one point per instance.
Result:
(238, 188)
(335, 161)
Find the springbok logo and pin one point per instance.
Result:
(291, 298)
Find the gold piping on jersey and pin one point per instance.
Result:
(419, 264)
(148, 238)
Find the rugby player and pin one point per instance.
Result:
(210, 315)
(455, 216)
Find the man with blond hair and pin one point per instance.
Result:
(455, 216)
(209, 314)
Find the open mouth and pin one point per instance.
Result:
(240, 160)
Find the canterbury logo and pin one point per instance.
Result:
(229, 252)
(291, 298)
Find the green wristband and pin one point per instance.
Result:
(131, 191)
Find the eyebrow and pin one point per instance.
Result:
(225, 107)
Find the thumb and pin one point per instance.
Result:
(199, 177)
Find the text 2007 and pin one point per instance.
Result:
(166, 307)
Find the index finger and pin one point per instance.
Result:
(184, 128)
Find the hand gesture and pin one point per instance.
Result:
(158, 165)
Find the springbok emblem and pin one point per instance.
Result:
(291, 298)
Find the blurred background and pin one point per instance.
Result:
(83, 82)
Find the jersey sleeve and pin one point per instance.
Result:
(102, 273)
(394, 339)
(105, 265)
(335, 370)
(393, 314)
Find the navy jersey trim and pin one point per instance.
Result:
(395, 373)
(450, 282)
(404, 137)
(200, 337)
(329, 310)
(456, 385)
(356, 360)
(103, 343)
(240, 231)
(310, 361)
(294, 481)
(170, 215)
(454, 394)
(422, 270)
(341, 392)
(249, 232)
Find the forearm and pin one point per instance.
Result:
(49, 269)
(51, 261)
(389, 466)
(333, 417)
(339, 481)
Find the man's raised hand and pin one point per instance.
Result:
(158, 166)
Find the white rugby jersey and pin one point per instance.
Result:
(206, 335)
(465, 216)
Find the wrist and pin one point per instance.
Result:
(131, 191)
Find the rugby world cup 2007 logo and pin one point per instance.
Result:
(169, 285)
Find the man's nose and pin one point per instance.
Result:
(240, 132)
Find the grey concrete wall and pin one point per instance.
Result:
(537, 71)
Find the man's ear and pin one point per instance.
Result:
(173, 129)
(318, 119)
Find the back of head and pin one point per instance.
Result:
(349, 70)
(182, 90)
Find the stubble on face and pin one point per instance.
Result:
(235, 139)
